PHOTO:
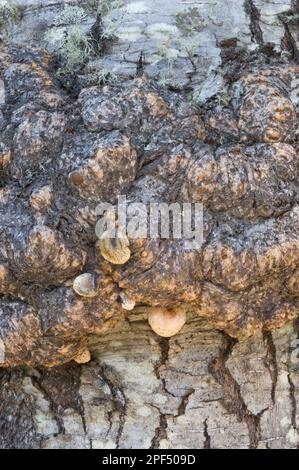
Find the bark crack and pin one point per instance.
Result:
(118, 399)
(270, 361)
(184, 402)
(61, 390)
(289, 42)
(207, 442)
(140, 65)
(293, 402)
(232, 398)
(254, 16)
(160, 431)
(161, 363)
(53, 406)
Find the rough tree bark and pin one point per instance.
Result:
(213, 122)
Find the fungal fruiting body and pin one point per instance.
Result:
(115, 250)
(127, 304)
(83, 357)
(166, 322)
(85, 286)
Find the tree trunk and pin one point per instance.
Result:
(158, 101)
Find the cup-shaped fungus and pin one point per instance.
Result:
(166, 322)
(83, 357)
(126, 302)
(115, 250)
(85, 285)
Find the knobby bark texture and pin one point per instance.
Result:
(215, 123)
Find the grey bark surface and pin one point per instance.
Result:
(197, 390)
(230, 378)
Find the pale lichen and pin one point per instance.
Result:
(190, 21)
(10, 12)
(103, 73)
(77, 47)
(71, 14)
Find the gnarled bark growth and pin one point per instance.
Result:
(62, 156)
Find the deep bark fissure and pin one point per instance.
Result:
(82, 414)
(293, 402)
(184, 402)
(161, 363)
(119, 401)
(232, 398)
(254, 17)
(207, 442)
(160, 431)
(271, 361)
(140, 65)
(110, 421)
(295, 6)
(289, 42)
(53, 406)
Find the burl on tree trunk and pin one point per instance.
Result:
(61, 157)
(67, 296)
